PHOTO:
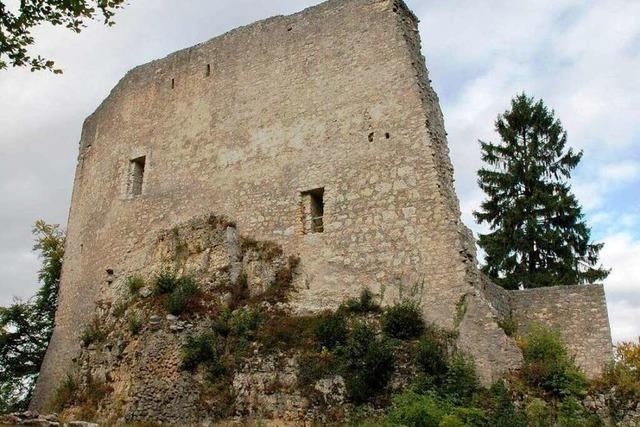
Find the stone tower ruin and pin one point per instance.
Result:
(318, 131)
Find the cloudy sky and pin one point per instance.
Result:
(581, 57)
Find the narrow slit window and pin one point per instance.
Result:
(208, 72)
(173, 83)
(136, 175)
(313, 210)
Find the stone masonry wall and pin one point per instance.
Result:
(334, 97)
(333, 101)
(578, 312)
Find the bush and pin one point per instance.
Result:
(176, 303)
(367, 363)
(460, 380)
(547, 364)
(403, 321)
(470, 416)
(453, 421)
(135, 322)
(431, 354)
(623, 375)
(538, 413)
(509, 326)
(364, 304)
(572, 414)
(543, 344)
(134, 284)
(166, 282)
(313, 366)
(202, 350)
(500, 408)
(92, 333)
(184, 291)
(417, 410)
(221, 324)
(331, 330)
(243, 322)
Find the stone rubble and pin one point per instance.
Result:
(33, 418)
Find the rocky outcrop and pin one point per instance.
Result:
(608, 406)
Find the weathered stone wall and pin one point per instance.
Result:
(334, 100)
(334, 97)
(499, 297)
(579, 313)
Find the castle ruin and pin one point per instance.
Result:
(318, 131)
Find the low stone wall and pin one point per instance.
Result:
(499, 297)
(579, 313)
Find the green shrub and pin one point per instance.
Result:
(176, 303)
(221, 324)
(166, 282)
(92, 333)
(331, 330)
(202, 350)
(500, 408)
(538, 413)
(188, 286)
(453, 421)
(135, 322)
(367, 363)
(313, 366)
(547, 363)
(243, 322)
(134, 284)
(403, 321)
(431, 355)
(184, 291)
(470, 416)
(460, 381)
(410, 409)
(543, 344)
(572, 414)
(508, 325)
(364, 304)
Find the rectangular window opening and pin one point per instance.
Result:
(136, 175)
(208, 70)
(313, 210)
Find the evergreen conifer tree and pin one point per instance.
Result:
(538, 236)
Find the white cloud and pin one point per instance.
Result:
(623, 317)
(622, 172)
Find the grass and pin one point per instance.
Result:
(134, 284)
(135, 321)
(92, 333)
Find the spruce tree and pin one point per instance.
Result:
(538, 236)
